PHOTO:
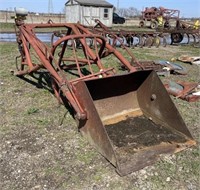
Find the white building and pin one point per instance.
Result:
(86, 11)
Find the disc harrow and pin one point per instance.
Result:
(160, 37)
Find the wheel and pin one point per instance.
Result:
(121, 21)
(176, 37)
(167, 25)
(141, 24)
(153, 25)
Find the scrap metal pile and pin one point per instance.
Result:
(127, 114)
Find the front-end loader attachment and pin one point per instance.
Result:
(131, 120)
(126, 113)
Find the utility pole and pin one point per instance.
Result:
(117, 4)
(50, 7)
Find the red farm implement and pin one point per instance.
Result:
(127, 114)
(151, 16)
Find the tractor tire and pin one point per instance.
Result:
(153, 25)
(167, 25)
(141, 24)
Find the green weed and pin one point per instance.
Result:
(32, 111)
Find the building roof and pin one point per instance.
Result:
(95, 3)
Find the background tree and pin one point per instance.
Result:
(128, 12)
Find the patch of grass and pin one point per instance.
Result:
(87, 157)
(7, 27)
(32, 111)
(7, 48)
(187, 50)
(58, 170)
(66, 160)
(177, 171)
(42, 121)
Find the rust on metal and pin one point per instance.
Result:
(184, 90)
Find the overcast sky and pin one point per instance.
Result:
(188, 8)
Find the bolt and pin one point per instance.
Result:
(153, 97)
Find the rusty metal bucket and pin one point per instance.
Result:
(131, 119)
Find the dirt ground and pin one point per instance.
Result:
(41, 148)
